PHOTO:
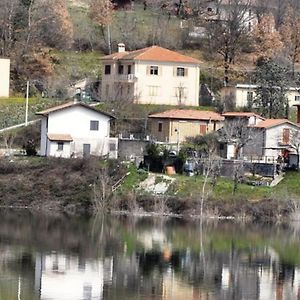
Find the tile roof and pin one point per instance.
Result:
(154, 53)
(268, 123)
(241, 114)
(188, 114)
(71, 104)
(59, 137)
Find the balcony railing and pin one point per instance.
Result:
(126, 78)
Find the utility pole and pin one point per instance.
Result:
(26, 107)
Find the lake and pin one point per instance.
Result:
(54, 257)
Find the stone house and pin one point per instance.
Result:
(174, 126)
(76, 130)
(152, 75)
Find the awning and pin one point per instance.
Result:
(60, 137)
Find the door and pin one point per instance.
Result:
(86, 150)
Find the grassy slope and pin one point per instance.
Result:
(191, 187)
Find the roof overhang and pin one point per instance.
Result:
(59, 137)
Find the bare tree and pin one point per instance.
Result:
(236, 132)
(227, 34)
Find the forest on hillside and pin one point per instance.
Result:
(41, 36)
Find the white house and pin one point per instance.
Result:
(269, 138)
(243, 94)
(76, 130)
(152, 75)
(4, 77)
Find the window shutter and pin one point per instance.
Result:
(160, 71)
(286, 136)
(186, 72)
(175, 71)
(148, 70)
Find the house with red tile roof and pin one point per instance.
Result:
(75, 129)
(174, 126)
(272, 138)
(152, 75)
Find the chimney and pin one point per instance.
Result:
(121, 47)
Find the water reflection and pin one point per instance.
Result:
(63, 258)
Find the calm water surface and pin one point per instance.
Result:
(68, 258)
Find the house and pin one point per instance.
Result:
(152, 75)
(250, 118)
(4, 77)
(75, 129)
(174, 126)
(219, 11)
(242, 95)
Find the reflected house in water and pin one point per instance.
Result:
(143, 260)
(64, 277)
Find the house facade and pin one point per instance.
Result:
(243, 95)
(174, 126)
(153, 75)
(4, 77)
(75, 130)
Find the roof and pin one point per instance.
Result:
(268, 123)
(241, 114)
(154, 53)
(60, 137)
(255, 86)
(188, 114)
(71, 104)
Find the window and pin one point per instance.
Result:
(121, 69)
(181, 72)
(203, 128)
(107, 69)
(249, 98)
(209, 9)
(153, 90)
(107, 90)
(160, 126)
(60, 146)
(297, 98)
(129, 69)
(153, 70)
(286, 136)
(94, 125)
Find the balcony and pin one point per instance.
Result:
(126, 78)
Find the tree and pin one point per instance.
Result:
(272, 85)
(267, 39)
(290, 34)
(208, 144)
(101, 12)
(236, 132)
(294, 141)
(227, 35)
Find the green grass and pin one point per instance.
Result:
(12, 110)
(77, 65)
(134, 179)
(186, 187)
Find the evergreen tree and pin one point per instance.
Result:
(272, 85)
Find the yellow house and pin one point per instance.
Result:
(152, 75)
(174, 126)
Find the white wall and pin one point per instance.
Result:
(241, 96)
(166, 82)
(43, 149)
(4, 77)
(76, 122)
